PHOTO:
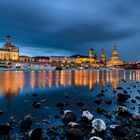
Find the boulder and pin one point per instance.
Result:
(74, 134)
(73, 125)
(60, 105)
(68, 117)
(98, 125)
(26, 124)
(122, 97)
(5, 129)
(95, 138)
(36, 104)
(35, 134)
(87, 114)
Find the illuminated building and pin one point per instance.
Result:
(38, 59)
(9, 51)
(114, 59)
(25, 58)
(87, 59)
(102, 56)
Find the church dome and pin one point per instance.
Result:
(102, 52)
(115, 52)
(91, 49)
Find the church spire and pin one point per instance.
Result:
(102, 55)
(91, 53)
(8, 39)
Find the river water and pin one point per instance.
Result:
(17, 87)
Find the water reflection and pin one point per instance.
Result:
(14, 82)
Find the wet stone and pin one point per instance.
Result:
(5, 129)
(36, 104)
(56, 117)
(133, 101)
(98, 101)
(122, 97)
(74, 134)
(119, 88)
(1, 112)
(35, 94)
(26, 124)
(36, 134)
(68, 117)
(125, 91)
(100, 110)
(73, 125)
(95, 138)
(137, 97)
(61, 104)
(109, 102)
(80, 103)
(100, 95)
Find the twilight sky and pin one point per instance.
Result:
(67, 27)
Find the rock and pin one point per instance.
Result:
(80, 104)
(136, 117)
(47, 121)
(1, 112)
(68, 117)
(34, 94)
(5, 129)
(98, 101)
(100, 110)
(74, 134)
(73, 125)
(122, 97)
(36, 104)
(100, 95)
(26, 124)
(43, 100)
(95, 138)
(83, 108)
(113, 126)
(109, 102)
(119, 88)
(86, 119)
(67, 96)
(117, 131)
(60, 104)
(137, 97)
(98, 125)
(109, 116)
(53, 131)
(122, 111)
(87, 116)
(125, 91)
(35, 134)
(56, 117)
(133, 101)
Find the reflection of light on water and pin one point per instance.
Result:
(12, 82)
(135, 75)
(50, 76)
(114, 78)
(32, 79)
(57, 78)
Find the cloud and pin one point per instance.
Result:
(70, 25)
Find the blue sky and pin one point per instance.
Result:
(67, 27)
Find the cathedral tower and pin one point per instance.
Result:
(115, 53)
(91, 53)
(102, 56)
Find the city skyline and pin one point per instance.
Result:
(65, 28)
